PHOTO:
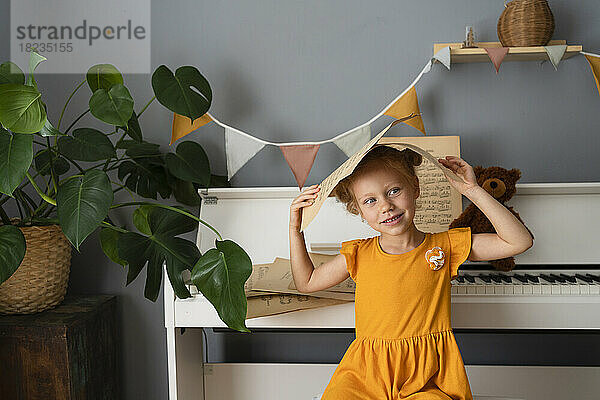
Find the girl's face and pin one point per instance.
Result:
(383, 194)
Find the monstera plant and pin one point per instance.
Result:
(69, 176)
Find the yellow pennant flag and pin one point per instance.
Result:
(405, 105)
(595, 66)
(182, 125)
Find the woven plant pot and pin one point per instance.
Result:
(40, 282)
(525, 23)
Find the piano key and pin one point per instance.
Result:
(470, 278)
(528, 289)
(546, 289)
(555, 289)
(505, 278)
(547, 278)
(509, 289)
(569, 278)
(593, 277)
(532, 278)
(558, 278)
(518, 289)
(594, 289)
(584, 289)
(460, 279)
(584, 278)
(486, 278)
(495, 278)
(521, 278)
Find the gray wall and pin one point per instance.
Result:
(308, 70)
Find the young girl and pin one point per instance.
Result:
(404, 347)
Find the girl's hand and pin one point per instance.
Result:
(305, 198)
(463, 170)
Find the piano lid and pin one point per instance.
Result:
(562, 216)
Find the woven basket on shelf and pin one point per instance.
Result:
(41, 280)
(525, 23)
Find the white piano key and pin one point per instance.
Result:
(453, 288)
(595, 289)
(489, 289)
(537, 289)
(575, 289)
(472, 289)
(564, 289)
(518, 289)
(546, 289)
(555, 289)
(480, 289)
(527, 289)
(498, 289)
(584, 289)
(508, 289)
(462, 289)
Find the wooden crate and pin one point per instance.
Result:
(66, 353)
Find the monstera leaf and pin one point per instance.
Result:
(145, 178)
(103, 76)
(160, 246)
(16, 154)
(11, 73)
(21, 108)
(43, 165)
(133, 129)
(189, 163)
(113, 106)
(86, 144)
(186, 93)
(108, 241)
(220, 274)
(83, 203)
(12, 250)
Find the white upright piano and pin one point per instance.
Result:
(553, 294)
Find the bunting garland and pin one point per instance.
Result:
(240, 147)
(555, 54)
(300, 158)
(594, 61)
(496, 55)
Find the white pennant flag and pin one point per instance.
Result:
(443, 56)
(555, 53)
(239, 149)
(354, 141)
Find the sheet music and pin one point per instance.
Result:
(282, 303)
(439, 203)
(277, 276)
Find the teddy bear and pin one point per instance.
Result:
(500, 183)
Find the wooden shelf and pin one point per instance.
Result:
(458, 55)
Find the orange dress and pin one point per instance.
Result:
(404, 347)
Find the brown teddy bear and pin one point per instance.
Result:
(500, 183)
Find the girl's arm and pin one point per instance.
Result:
(306, 278)
(511, 237)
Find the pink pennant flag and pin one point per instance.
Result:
(300, 158)
(497, 54)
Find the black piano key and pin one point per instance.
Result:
(496, 278)
(532, 278)
(521, 278)
(558, 278)
(593, 277)
(485, 278)
(470, 278)
(547, 278)
(460, 278)
(505, 278)
(569, 278)
(584, 278)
